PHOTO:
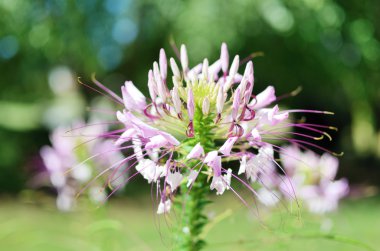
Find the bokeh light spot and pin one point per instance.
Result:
(117, 6)
(277, 15)
(8, 47)
(39, 35)
(124, 31)
(110, 56)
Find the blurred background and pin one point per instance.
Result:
(331, 48)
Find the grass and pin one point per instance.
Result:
(130, 224)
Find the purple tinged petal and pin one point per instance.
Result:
(216, 165)
(235, 104)
(227, 146)
(132, 97)
(192, 177)
(196, 152)
(147, 131)
(121, 116)
(170, 138)
(274, 117)
(157, 141)
(264, 98)
(248, 75)
(125, 136)
(144, 129)
(211, 156)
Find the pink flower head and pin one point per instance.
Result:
(192, 127)
(69, 169)
(312, 177)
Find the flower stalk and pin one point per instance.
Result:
(192, 199)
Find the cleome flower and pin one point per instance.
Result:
(312, 176)
(70, 169)
(196, 119)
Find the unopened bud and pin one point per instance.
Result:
(175, 69)
(184, 59)
(163, 64)
(205, 69)
(224, 58)
(206, 106)
(176, 100)
(190, 104)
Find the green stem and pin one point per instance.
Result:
(190, 204)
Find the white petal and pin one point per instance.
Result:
(191, 178)
(174, 180)
(164, 207)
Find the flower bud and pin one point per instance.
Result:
(224, 58)
(234, 66)
(176, 100)
(184, 58)
(205, 69)
(163, 64)
(175, 69)
(206, 106)
(161, 89)
(152, 86)
(190, 104)
(220, 99)
(236, 104)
